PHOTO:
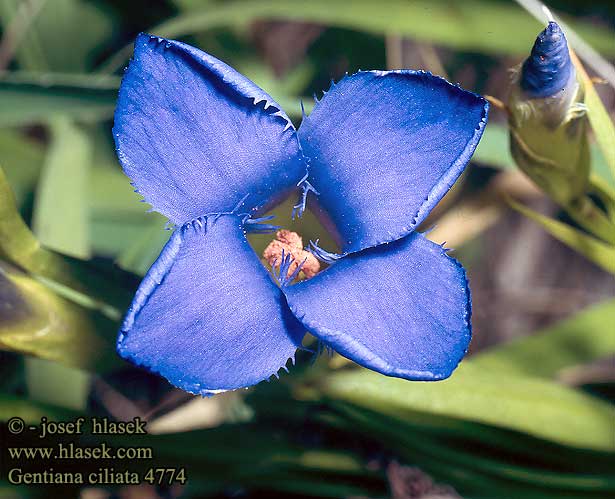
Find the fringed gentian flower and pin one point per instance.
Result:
(211, 151)
(548, 123)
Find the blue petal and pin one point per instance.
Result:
(402, 309)
(196, 137)
(384, 148)
(207, 316)
(548, 69)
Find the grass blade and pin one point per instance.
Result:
(593, 249)
(500, 27)
(578, 340)
(60, 217)
(532, 406)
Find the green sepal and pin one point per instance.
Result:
(548, 140)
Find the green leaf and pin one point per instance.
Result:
(145, 247)
(600, 168)
(495, 465)
(599, 118)
(122, 227)
(593, 249)
(35, 98)
(578, 340)
(60, 218)
(472, 25)
(113, 197)
(62, 35)
(22, 159)
(109, 291)
(42, 324)
(605, 193)
(17, 243)
(57, 384)
(475, 25)
(494, 148)
(285, 90)
(31, 412)
(529, 405)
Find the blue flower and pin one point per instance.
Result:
(210, 150)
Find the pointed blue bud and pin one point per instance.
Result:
(548, 121)
(548, 69)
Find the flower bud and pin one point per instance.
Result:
(547, 118)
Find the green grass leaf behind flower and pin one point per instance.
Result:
(533, 406)
(42, 324)
(60, 219)
(580, 339)
(593, 249)
(494, 148)
(106, 289)
(599, 118)
(17, 243)
(509, 464)
(35, 98)
(138, 256)
(122, 228)
(50, 42)
(56, 383)
(21, 159)
(475, 25)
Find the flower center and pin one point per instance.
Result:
(290, 243)
(295, 234)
